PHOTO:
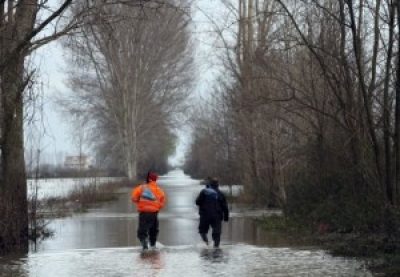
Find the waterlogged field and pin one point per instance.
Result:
(45, 188)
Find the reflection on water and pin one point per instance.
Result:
(153, 263)
(235, 260)
(103, 243)
(213, 255)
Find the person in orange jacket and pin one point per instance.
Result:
(150, 199)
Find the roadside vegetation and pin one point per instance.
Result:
(305, 115)
(380, 252)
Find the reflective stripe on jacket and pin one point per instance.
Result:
(150, 206)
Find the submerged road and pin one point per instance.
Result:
(103, 242)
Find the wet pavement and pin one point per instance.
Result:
(103, 242)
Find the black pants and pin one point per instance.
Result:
(148, 227)
(215, 223)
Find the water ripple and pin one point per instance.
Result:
(234, 260)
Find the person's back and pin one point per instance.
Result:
(210, 202)
(150, 199)
(213, 208)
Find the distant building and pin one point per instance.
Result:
(78, 162)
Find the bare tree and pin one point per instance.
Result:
(20, 34)
(310, 94)
(136, 74)
(358, 66)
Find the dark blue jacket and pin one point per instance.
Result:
(212, 203)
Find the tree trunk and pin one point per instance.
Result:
(389, 184)
(14, 43)
(397, 116)
(13, 191)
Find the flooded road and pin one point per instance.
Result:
(103, 242)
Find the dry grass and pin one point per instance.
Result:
(83, 197)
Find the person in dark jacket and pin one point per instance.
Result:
(213, 208)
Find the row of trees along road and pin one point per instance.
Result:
(306, 114)
(130, 79)
(129, 91)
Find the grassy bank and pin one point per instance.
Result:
(382, 254)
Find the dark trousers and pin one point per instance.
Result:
(215, 223)
(148, 227)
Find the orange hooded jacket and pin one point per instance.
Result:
(149, 206)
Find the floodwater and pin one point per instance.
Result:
(61, 187)
(103, 242)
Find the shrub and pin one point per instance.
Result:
(333, 200)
